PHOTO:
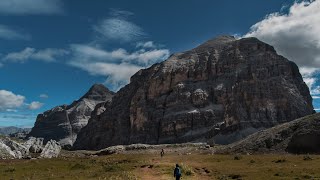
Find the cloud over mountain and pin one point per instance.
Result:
(295, 35)
(117, 65)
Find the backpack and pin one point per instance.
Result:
(177, 171)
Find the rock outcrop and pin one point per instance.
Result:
(51, 150)
(225, 89)
(63, 123)
(34, 145)
(10, 149)
(300, 136)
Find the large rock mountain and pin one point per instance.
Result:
(63, 123)
(224, 89)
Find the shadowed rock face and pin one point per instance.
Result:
(300, 136)
(224, 89)
(305, 143)
(63, 123)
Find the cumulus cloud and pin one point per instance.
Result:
(117, 27)
(117, 65)
(9, 100)
(30, 7)
(47, 55)
(43, 96)
(35, 105)
(295, 35)
(9, 33)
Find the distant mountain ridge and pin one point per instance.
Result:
(12, 130)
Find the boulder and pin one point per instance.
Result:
(34, 145)
(51, 150)
(12, 149)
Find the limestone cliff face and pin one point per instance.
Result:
(224, 89)
(63, 123)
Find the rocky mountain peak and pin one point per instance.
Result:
(64, 122)
(97, 92)
(216, 42)
(224, 89)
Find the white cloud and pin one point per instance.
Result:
(35, 105)
(148, 44)
(8, 33)
(47, 55)
(117, 74)
(315, 90)
(117, 65)
(295, 35)
(118, 28)
(43, 96)
(11, 110)
(120, 13)
(9, 100)
(140, 57)
(29, 7)
(316, 97)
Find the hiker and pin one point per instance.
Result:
(162, 153)
(177, 172)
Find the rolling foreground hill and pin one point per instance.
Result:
(224, 89)
(301, 136)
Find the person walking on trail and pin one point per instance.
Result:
(162, 153)
(177, 172)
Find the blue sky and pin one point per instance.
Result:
(52, 51)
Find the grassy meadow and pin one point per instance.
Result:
(152, 166)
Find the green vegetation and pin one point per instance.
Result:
(152, 166)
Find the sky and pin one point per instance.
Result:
(53, 51)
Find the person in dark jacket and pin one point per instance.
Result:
(177, 172)
(162, 153)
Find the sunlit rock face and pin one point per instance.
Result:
(63, 123)
(224, 89)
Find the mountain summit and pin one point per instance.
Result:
(98, 92)
(63, 123)
(224, 89)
